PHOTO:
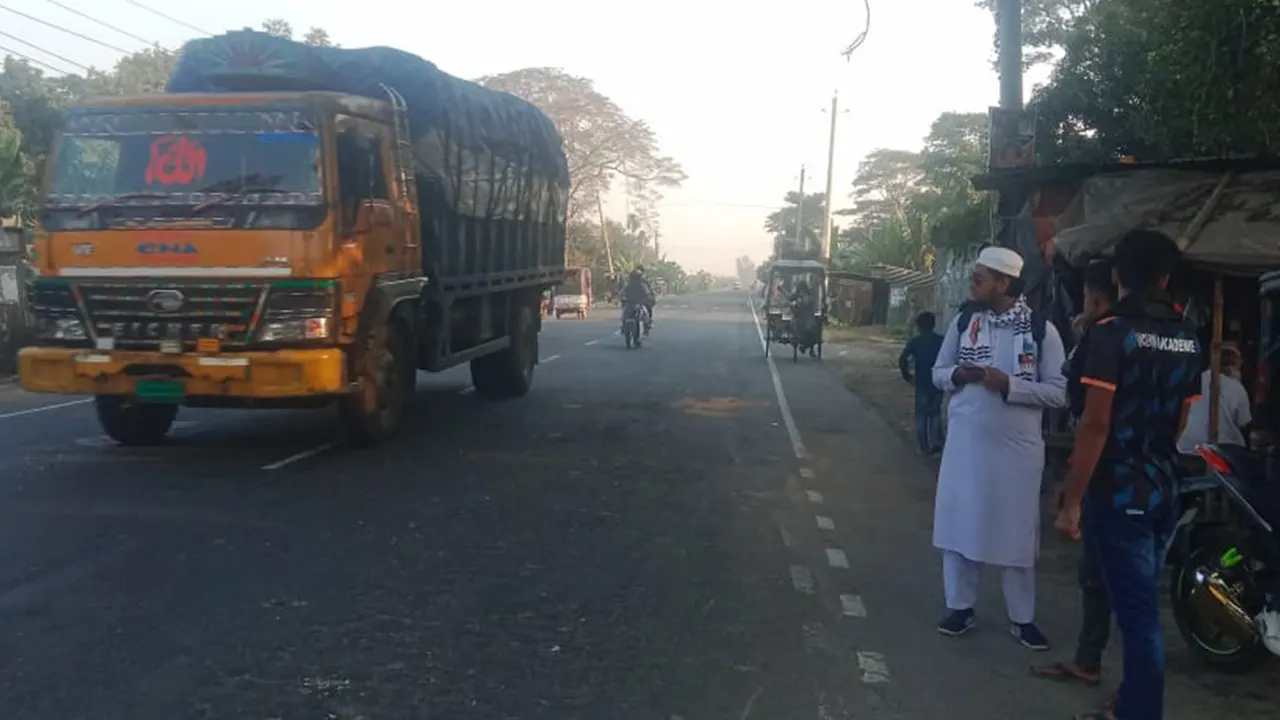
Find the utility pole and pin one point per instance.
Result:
(1009, 35)
(800, 216)
(831, 178)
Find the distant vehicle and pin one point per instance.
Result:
(573, 296)
(737, 284)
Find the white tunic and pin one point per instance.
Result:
(988, 502)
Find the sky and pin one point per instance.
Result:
(740, 96)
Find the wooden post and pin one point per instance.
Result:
(1215, 360)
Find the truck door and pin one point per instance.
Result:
(368, 220)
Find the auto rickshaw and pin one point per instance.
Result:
(803, 332)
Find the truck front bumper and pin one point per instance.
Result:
(258, 374)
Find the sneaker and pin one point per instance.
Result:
(957, 623)
(1030, 636)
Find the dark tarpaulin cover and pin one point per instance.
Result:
(461, 111)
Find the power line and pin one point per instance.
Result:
(32, 60)
(103, 23)
(50, 53)
(170, 18)
(59, 28)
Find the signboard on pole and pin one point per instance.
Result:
(1011, 139)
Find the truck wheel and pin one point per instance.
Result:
(389, 380)
(131, 423)
(508, 373)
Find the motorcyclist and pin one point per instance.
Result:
(637, 291)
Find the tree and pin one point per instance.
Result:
(279, 28)
(317, 37)
(1154, 79)
(13, 191)
(884, 186)
(1046, 25)
(954, 152)
(601, 142)
(781, 224)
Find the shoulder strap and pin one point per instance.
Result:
(1038, 329)
(962, 320)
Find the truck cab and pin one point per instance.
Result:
(232, 250)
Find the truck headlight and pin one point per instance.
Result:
(299, 311)
(57, 314)
(61, 328)
(315, 328)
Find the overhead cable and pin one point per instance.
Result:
(50, 53)
(170, 18)
(103, 23)
(59, 28)
(33, 61)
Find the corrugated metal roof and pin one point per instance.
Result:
(903, 277)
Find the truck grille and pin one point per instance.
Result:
(140, 315)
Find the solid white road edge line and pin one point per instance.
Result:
(549, 359)
(42, 408)
(797, 445)
(299, 456)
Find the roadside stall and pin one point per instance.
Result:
(1223, 214)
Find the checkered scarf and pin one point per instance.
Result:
(975, 340)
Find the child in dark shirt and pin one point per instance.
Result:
(921, 352)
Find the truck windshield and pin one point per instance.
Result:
(223, 166)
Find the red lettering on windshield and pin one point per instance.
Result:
(176, 160)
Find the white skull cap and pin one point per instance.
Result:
(1001, 260)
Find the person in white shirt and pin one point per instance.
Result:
(1234, 414)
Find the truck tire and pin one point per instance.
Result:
(391, 376)
(508, 373)
(131, 423)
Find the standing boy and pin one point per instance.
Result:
(918, 357)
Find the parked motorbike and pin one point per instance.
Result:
(1225, 587)
(635, 324)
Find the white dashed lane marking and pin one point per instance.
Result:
(591, 342)
(874, 667)
(837, 559)
(852, 606)
(814, 496)
(43, 408)
(802, 579)
(825, 523)
(299, 456)
(806, 473)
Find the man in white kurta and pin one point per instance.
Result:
(987, 510)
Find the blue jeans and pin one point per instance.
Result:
(1129, 547)
(928, 419)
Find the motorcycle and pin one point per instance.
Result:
(635, 324)
(1225, 588)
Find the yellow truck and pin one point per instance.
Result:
(293, 226)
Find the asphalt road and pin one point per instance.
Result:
(684, 531)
